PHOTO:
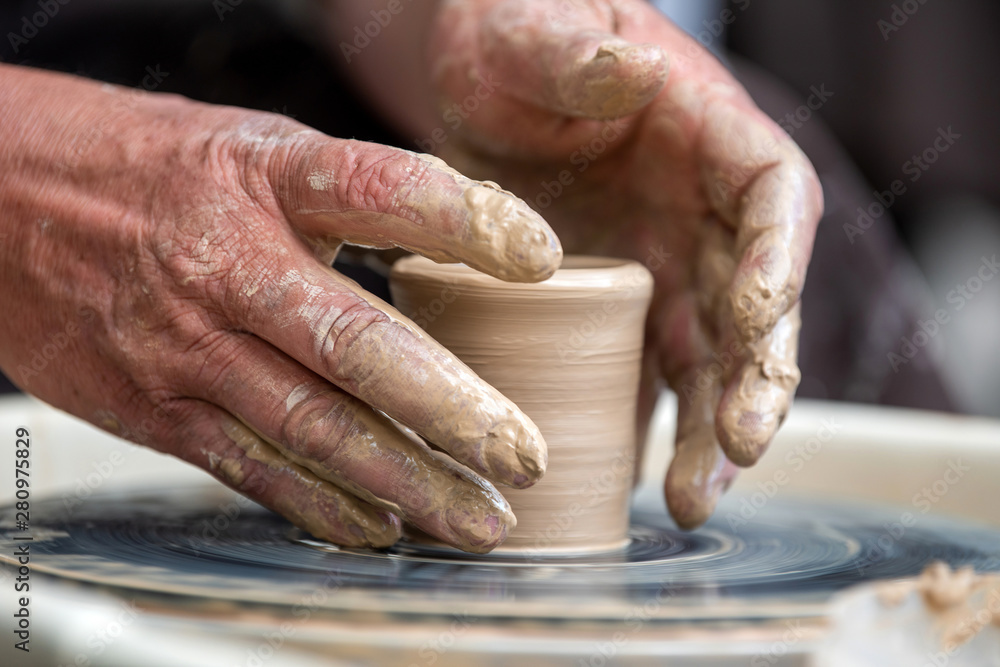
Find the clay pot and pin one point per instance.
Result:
(567, 352)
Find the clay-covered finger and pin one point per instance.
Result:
(568, 60)
(758, 396)
(367, 348)
(765, 188)
(777, 226)
(338, 438)
(334, 191)
(220, 444)
(699, 472)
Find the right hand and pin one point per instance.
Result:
(177, 253)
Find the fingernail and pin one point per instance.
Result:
(751, 412)
(479, 533)
(744, 435)
(514, 243)
(379, 534)
(619, 79)
(694, 481)
(691, 508)
(515, 453)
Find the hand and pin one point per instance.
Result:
(633, 141)
(164, 275)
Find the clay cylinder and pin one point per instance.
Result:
(567, 351)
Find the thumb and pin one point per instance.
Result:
(565, 57)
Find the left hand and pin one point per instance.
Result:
(632, 140)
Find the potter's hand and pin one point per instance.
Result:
(569, 104)
(163, 276)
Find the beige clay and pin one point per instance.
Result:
(567, 352)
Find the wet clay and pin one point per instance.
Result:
(363, 522)
(469, 419)
(567, 352)
(485, 226)
(962, 602)
(733, 400)
(443, 498)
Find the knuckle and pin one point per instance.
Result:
(350, 347)
(212, 258)
(195, 249)
(321, 427)
(242, 473)
(250, 156)
(215, 353)
(373, 178)
(226, 199)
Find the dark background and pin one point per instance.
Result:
(890, 96)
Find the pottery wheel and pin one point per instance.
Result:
(786, 562)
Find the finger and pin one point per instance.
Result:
(699, 472)
(568, 60)
(217, 442)
(367, 348)
(334, 191)
(760, 183)
(757, 398)
(340, 439)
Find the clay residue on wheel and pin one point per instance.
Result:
(963, 603)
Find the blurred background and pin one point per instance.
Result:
(896, 103)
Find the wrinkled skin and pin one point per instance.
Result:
(164, 266)
(633, 141)
(164, 274)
